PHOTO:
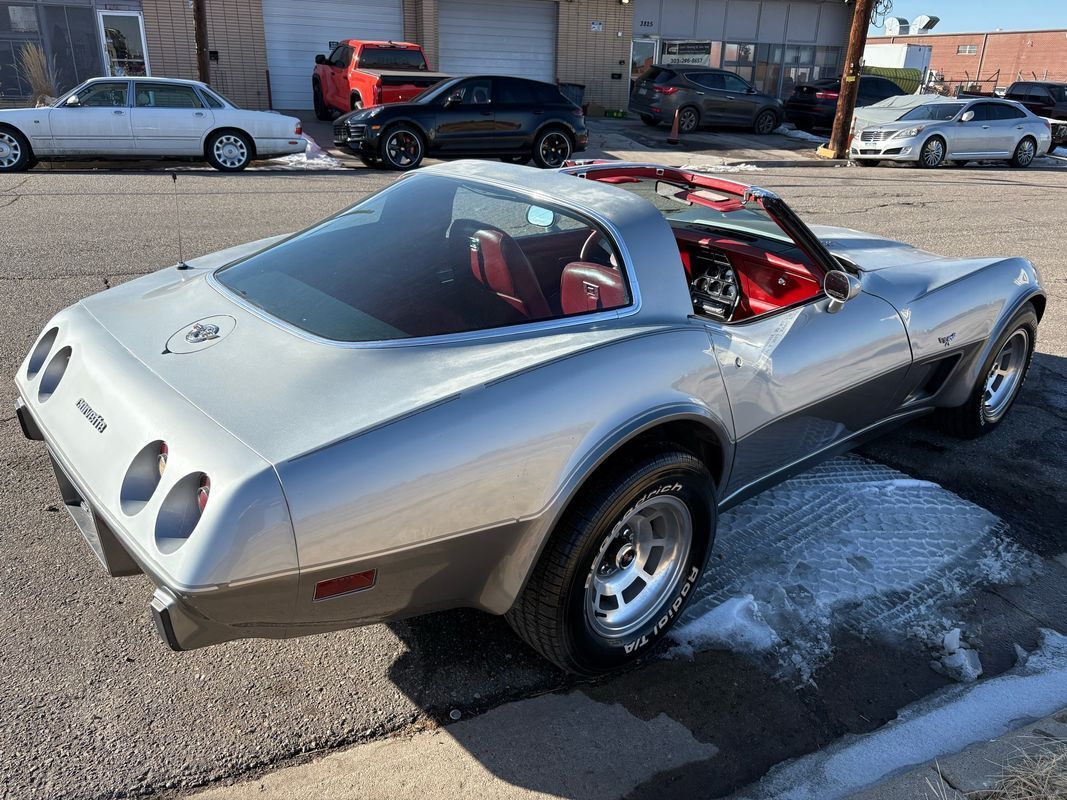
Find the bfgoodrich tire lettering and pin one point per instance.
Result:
(553, 613)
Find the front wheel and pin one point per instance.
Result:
(650, 120)
(229, 151)
(552, 149)
(371, 162)
(15, 154)
(932, 153)
(1024, 153)
(401, 148)
(765, 122)
(999, 382)
(1052, 148)
(620, 566)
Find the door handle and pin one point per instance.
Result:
(728, 97)
(118, 112)
(700, 93)
(487, 113)
(198, 114)
(985, 127)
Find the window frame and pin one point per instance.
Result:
(100, 14)
(137, 82)
(966, 49)
(596, 221)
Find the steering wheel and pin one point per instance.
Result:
(598, 250)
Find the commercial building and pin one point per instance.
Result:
(995, 59)
(262, 51)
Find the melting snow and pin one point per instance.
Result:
(854, 544)
(944, 723)
(803, 136)
(313, 157)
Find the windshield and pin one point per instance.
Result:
(391, 58)
(432, 255)
(934, 111)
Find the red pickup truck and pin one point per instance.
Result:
(358, 74)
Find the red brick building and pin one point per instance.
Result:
(993, 59)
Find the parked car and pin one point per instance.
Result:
(702, 96)
(528, 392)
(357, 74)
(145, 118)
(813, 105)
(1045, 99)
(956, 130)
(511, 118)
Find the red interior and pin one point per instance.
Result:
(767, 280)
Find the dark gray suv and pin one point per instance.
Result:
(702, 96)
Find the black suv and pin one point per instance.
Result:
(813, 105)
(513, 119)
(702, 96)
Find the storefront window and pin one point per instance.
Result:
(806, 64)
(740, 57)
(642, 56)
(768, 68)
(18, 27)
(124, 48)
(72, 37)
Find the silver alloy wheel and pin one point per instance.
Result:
(933, 152)
(230, 151)
(1005, 376)
(10, 150)
(1024, 153)
(765, 122)
(403, 148)
(555, 149)
(638, 567)
(688, 120)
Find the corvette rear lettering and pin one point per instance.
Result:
(96, 420)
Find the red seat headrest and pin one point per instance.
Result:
(591, 287)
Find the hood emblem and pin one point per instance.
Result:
(202, 332)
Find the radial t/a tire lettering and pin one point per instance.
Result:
(621, 565)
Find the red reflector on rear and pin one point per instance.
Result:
(345, 584)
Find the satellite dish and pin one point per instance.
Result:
(897, 26)
(924, 23)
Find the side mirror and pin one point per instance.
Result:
(320, 59)
(751, 90)
(454, 100)
(967, 116)
(541, 217)
(72, 101)
(840, 287)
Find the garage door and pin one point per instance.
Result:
(296, 30)
(507, 37)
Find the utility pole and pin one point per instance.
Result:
(850, 80)
(203, 64)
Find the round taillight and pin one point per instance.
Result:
(142, 477)
(203, 492)
(40, 352)
(161, 458)
(53, 373)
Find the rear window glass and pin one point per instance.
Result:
(432, 255)
(658, 75)
(391, 58)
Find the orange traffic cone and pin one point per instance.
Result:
(672, 137)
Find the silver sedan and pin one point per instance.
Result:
(956, 130)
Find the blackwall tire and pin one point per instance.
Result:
(1025, 152)
(650, 120)
(15, 152)
(401, 148)
(604, 547)
(992, 397)
(321, 111)
(552, 148)
(229, 151)
(932, 153)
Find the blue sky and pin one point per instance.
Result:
(983, 15)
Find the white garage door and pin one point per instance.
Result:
(296, 30)
(506, 37)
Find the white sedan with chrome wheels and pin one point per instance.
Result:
(145, 118)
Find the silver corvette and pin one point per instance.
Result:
(491, 386)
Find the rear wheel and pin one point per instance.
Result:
(229, 151)
(552, 148)
(321, 111)
(401, 148)
(620, 566)
(649, 120)
(932, 153)
(766, 121)
(999, 382)
(688, 120)
(864, 162)
(1024, 152)
(15, 153)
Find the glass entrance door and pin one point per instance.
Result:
(122, 33)
(642, 56)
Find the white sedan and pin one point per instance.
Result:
(145, 118)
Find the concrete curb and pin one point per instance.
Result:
(974, 771)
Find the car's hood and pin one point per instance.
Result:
(283, 394)
(371, 112)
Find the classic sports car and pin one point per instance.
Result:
(491, 386)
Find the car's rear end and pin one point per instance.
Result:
(813, 105)
(397, 70)
(655, 94)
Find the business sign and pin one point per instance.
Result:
(690, 54)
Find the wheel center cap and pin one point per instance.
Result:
(5, 150)
(625, 557)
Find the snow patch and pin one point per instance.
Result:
(723, 168)
(803, 136)
(850, 544)
(313, 157)
(944, 723)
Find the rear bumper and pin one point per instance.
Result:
(271, 148)
(27, 422)
(806, 116)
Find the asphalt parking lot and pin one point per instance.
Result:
(95, 706)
